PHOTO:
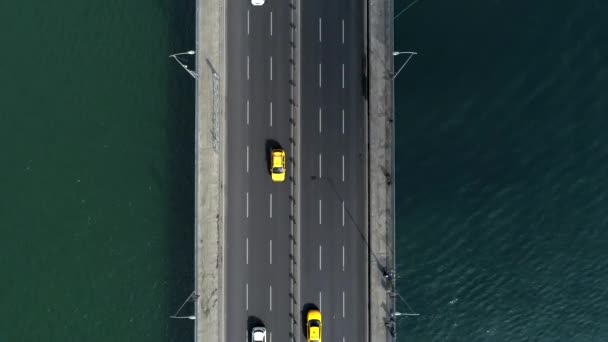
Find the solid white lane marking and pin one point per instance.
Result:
(342, 75)
(343, 168)
(247, 112)
(320, 257)
(320, 39)
(342, 258)
(247, 204)
(271, 252)
(247, 22)
(270, 113)
(246, 297)
(342, 31)
(271, 68)
(320, 169)
(320, 83)
(247, 67)
(342, 120)
(270, 298)
(247, 158)
(271, 23)
(320, 119)
(247, 251)
(343, 305)
(342, 213)
(320, 301)
(319, 211)
(270, 205)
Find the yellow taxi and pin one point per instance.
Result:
(277, 165)
(313, 326)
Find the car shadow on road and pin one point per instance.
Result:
(252, 322)
(270, 145)
(307, 307)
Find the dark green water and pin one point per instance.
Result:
(96, 181)
(502, 170)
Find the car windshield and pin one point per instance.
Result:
(314, 323)
(277, 170)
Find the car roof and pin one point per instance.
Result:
(277, 159)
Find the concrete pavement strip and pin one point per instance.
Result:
(209, 168)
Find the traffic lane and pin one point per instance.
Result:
(321, 264)
(268, 245)
(270, 128)
(234, 84)
(276, 232)
(281, 275)
(235, 271)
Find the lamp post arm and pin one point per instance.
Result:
(403, 66)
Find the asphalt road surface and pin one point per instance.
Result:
(332, 231)
(333, 150)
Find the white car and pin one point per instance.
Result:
(258, 334)
(257, 2)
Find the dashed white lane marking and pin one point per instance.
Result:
(342, 75)
(320, 30)
(270, 298)
(271, 23)
(246, 297)
(320, 301)
(247, 158)
(271, 68)
(342, 213)
(270, 113)
(342, 31)
(320, 83)
(248, 113)
(247, 251)
(320, 118)
(319, 211)
(247, 204)
(247, 67)
(247, 22)
(343, 305)
(342, 120)
(270, 201)
(343, 168)
(320, 257)
(320, 168)
(342, 258)
(271, 252)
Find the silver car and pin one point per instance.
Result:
(258, 334)
(257, 2)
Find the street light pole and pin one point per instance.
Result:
(190, 72)
(397, 53)
(397, 314)
(184, 317)
(192, 297)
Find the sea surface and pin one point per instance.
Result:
(96, 170)
(502, 170)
